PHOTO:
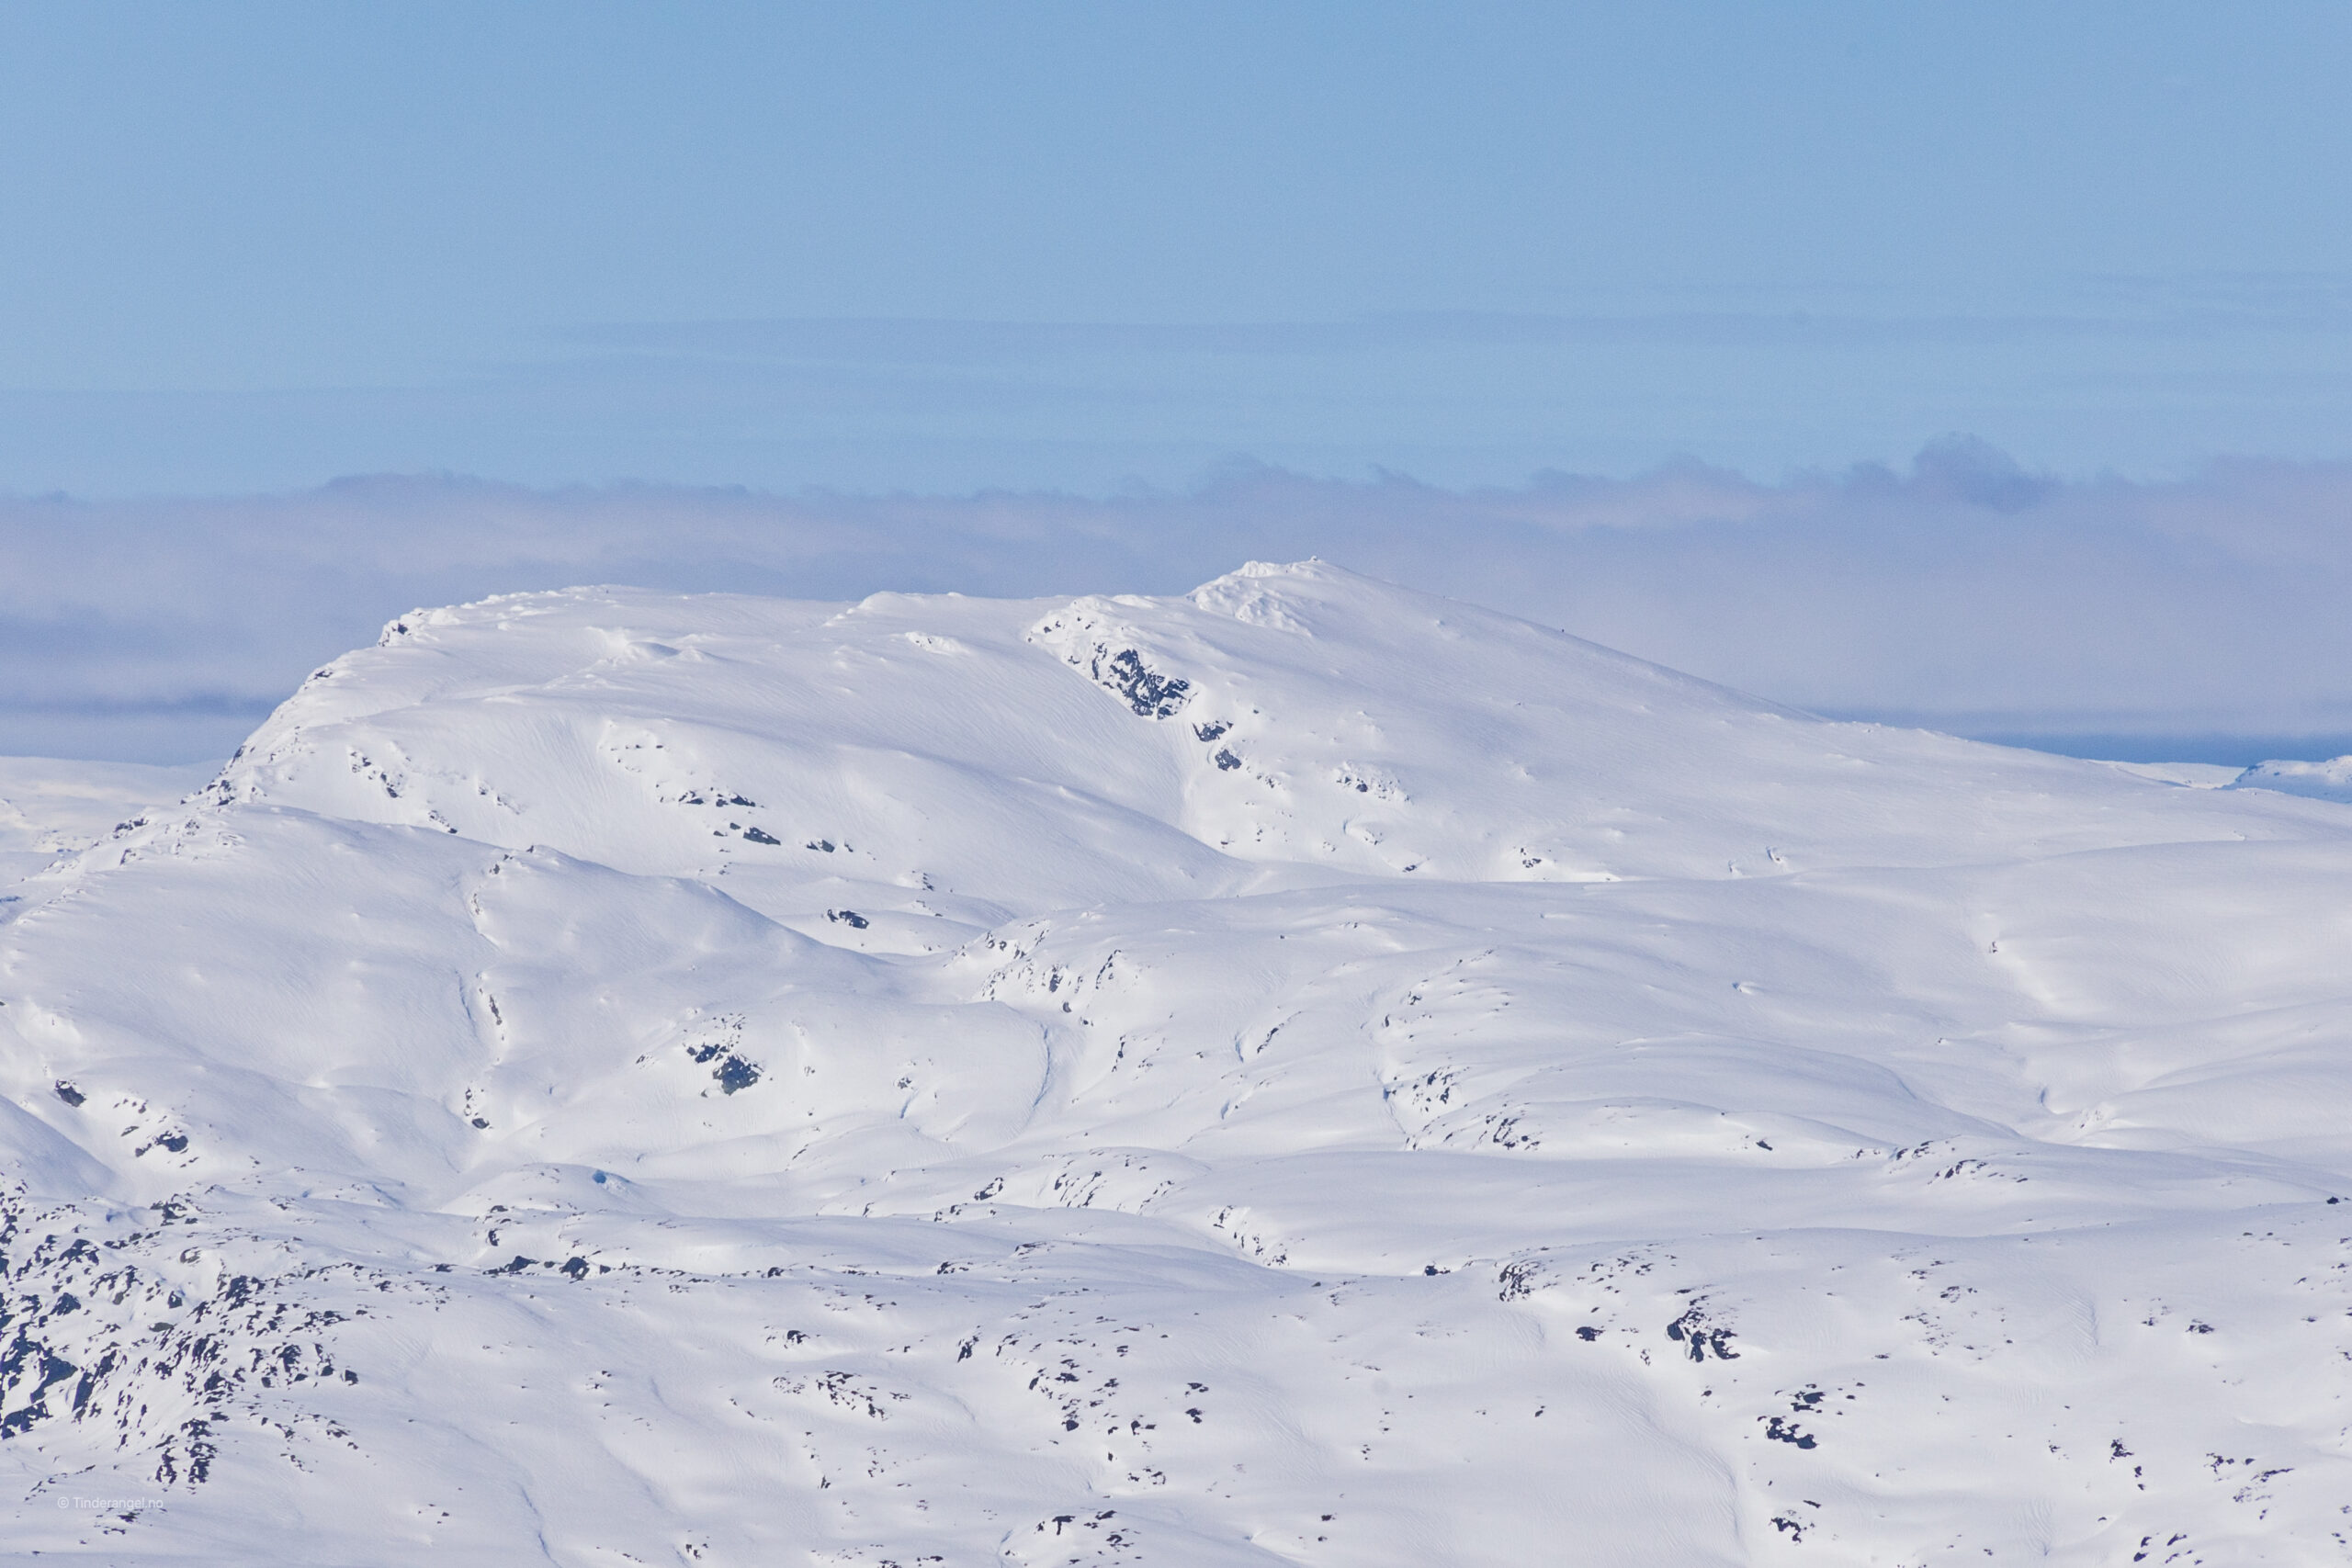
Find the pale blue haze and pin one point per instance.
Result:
(945, 246)
(1985, 365)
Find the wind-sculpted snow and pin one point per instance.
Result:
(1304, 1073)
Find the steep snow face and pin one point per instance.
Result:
(1305, 1071)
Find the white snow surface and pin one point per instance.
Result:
(2321, 780)
(51, 807)
(1302, 1073)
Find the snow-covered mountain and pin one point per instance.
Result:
(51, 807)
(1302, 1073)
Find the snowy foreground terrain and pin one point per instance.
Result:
(1306, 1073)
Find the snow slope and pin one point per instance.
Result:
(1305, 1072)
(2321, 780)
(51, 807)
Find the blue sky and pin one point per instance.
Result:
(1987, 365)
(939, 247)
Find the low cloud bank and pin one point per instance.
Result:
(2202, 618)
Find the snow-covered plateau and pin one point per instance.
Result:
(1301, 1073)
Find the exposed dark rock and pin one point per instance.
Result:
(1151, 695)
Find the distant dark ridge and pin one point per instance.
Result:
(2235, 750)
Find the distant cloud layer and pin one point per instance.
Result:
(2136, 375)
(2202, 618)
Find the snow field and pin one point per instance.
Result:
(1302, 1073)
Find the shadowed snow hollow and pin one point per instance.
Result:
(1305, 1072)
